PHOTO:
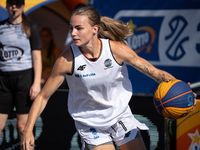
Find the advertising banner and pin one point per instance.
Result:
(166, 33)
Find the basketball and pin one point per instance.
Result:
(173, 99)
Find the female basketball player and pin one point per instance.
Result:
(20, 64)
(98, 81)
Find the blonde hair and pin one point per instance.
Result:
(109, 28)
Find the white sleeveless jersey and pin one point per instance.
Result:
(99, 91)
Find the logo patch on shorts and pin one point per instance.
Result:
(94, 132)
(127, 134)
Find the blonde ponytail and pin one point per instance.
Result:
(114, 30)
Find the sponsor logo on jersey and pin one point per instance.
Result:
(10, 52)
(81, 68)
(108, 63)
(85, 75)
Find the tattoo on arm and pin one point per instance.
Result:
(164, 77)
(146, 69)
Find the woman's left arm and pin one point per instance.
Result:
(37, 67)
(123, 53)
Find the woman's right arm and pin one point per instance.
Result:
(62, 66)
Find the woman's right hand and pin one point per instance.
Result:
(27, 141)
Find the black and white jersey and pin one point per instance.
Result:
(16, 47)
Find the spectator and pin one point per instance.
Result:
(50, 52)
(20, 64)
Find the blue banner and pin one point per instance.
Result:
(166, 33)
(3, 14)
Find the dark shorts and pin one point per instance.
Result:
(14, 91)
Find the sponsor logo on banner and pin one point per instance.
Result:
(165, 37)
(144, 39)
